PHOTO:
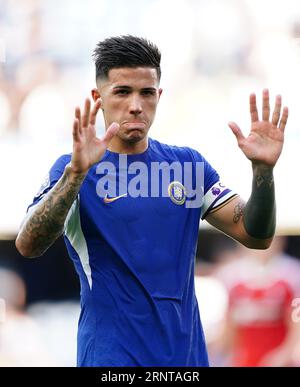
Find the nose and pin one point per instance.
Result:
(135, 105)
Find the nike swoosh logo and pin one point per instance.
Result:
(111, 200)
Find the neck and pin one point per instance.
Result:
(124, 147)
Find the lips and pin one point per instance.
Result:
(135, 125)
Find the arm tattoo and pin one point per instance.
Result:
(46, 223)
(260, 210)
(260, 180)
(238, 212)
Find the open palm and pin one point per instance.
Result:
(88, 149)
(265, 140)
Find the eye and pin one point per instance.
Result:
(148, 92)
(122, 92)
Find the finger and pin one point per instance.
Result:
(110, 133)
(78, 117)
(94, 112)
(277, 110)
(86, 113)
(284, 119)
(236, 131)
(253, 108)
(266, 105)
(76, 136)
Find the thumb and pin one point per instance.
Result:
(236, 131)
(110, 133)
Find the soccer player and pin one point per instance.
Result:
(132, 236)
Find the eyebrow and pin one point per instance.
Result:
(124, 87)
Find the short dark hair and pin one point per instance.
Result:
(125, 51)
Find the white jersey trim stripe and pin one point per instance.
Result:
(73, 232)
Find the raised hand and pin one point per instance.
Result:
(88, 149)
(264, 143)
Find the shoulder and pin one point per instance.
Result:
(63, 160)
(58, 167)
(52, 177)
(288, 267)
(181, 153)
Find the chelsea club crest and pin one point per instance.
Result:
(177, 192)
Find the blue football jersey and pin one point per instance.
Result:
(135, 260)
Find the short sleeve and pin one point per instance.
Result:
(51, 179)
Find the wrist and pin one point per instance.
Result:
(262, 169)
(73, 171)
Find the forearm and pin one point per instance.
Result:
(46, 222)
(260, 211)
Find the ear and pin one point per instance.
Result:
(95, 94)
(159, 93)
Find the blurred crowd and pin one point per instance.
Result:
(47, 65)
(41, 335)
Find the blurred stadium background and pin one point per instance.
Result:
(214, 53)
